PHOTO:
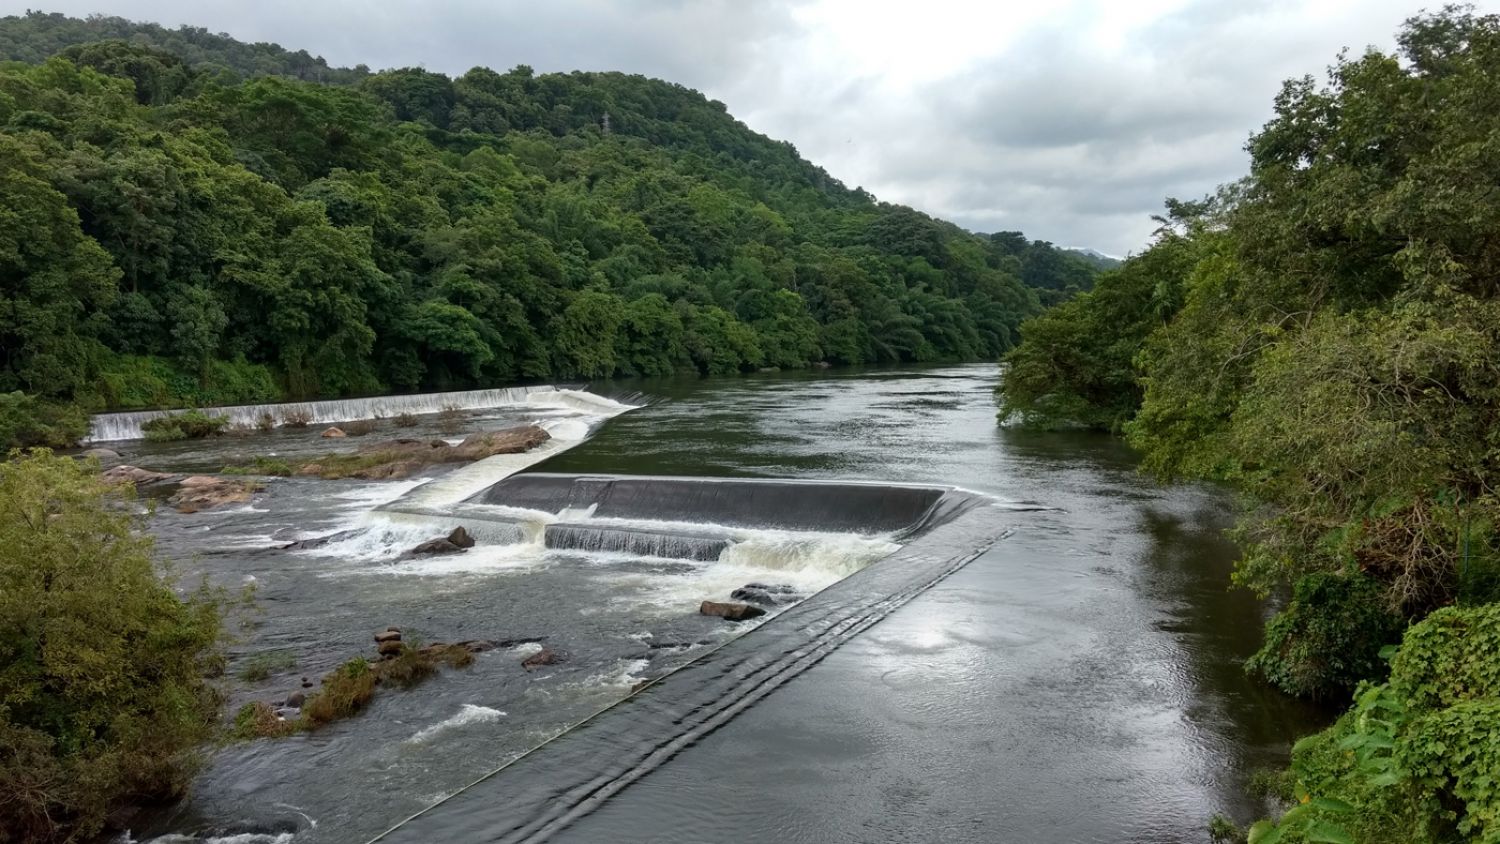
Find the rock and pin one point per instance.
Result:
(639, 685)
(822, 364)
(295, 700)
(101, 454)
(461, 537)
(393, 629)
(730, 612)
(766, 596)
(388, 636)
(202, 492)
(437, 546)
(508, 441)
(306, 683)
(334, 433)
(390, 647)
(545, 656)
(477, 646)
(318, 541)
(135, 475)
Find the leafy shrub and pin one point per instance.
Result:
(1329, 637)
(1415, 759)
(259, 720)
(27, 421)
(102, 690)
(406, 420)
(296, 417)
(190, 425)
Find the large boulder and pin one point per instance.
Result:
(334, 433)
(441, 545)
(101, 454)
(202, 492)
(765, 595)
(730, 612)
(461, 537)
(135, 475)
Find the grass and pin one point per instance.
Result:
(348, 689)
(265, 421)
(406, 420)
(263, 665)
(451, 419)
(337, 466)
(262, 466)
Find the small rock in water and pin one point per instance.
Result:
(545, 656)
(101, 454)
(388, 636)
(334, 433)
(201, 492)
(730, 612)
(318, 541)
(390, 647)
(440, 545)
(461, 537)
(306, 683)
(295, 700)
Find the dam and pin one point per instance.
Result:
(937, 529)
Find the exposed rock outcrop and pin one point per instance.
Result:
(461, 537)
(136, 475)
(334, 432)
(765, 595)
(401, 458)
(202, 492)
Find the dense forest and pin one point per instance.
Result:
(1325, 336)
(191, 220)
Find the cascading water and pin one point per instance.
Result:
(107, 427)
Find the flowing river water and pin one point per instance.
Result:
(1077, 680)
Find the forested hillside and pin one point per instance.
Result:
(1325, 335)
(192, 220)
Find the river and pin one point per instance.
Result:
(1080, 680)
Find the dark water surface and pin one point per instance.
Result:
(1079, 681)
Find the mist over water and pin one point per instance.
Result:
(1095, 650)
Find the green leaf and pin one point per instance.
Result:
(1331, 804)
(1388, 652)
(1264, 832)
(1328, 833)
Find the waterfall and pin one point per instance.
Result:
(127, 426)
(641, 542)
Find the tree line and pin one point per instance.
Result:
(235, 223)
(1324, 335)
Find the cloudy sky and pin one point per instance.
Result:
(1070, 121)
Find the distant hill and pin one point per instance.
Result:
(249, 222)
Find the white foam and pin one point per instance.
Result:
(468, 715)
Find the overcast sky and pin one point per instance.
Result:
(1070, 121)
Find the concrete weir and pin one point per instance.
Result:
(544, 791)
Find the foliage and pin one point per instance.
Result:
(29, 421)
(102, 664)
(1329, 637)
(189, 425)
(196, 221)
(1415, 758)
(262, 465)
(344, 692)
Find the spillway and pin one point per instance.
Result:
(107, 427)
(941, 529)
